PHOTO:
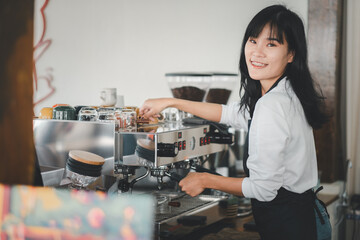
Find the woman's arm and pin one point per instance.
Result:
(194, 183)
(209, 111)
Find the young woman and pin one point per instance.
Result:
(280, 107)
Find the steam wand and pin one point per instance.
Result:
(138, 179)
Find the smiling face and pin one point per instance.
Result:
(266, 58)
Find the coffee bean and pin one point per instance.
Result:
(218, 95)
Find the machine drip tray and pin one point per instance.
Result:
(178, 214)
(171, 205)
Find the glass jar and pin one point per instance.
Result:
(88, 114)
(106, 114)
(83, 168)
(127, 120)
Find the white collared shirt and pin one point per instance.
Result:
(281, 144)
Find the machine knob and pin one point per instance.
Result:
(167, 149)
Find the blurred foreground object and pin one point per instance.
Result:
(61, 214)
(16, 92)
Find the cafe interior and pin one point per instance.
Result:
(78, 162)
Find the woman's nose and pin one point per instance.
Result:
(258, 51)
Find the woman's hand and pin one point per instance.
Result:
(193, 183)
(152, 107)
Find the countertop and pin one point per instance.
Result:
(328, 198)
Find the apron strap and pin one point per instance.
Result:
(322, 220)
(246, 151)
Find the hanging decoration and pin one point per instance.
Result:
(41, 46)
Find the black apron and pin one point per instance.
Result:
(289, 216)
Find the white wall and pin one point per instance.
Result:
(130, 45)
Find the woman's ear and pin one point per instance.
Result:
(291, 56)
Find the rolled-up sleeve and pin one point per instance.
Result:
(233, 116)
(269, 134)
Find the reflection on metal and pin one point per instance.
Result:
(55, 138)
(52, 176)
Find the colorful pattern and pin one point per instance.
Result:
(46, 213)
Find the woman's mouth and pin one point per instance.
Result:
(257, 64)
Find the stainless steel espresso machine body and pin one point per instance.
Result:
(170, 143)
(163, 146)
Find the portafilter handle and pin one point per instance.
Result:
(199, 168)
(216, 137)
(174, 176)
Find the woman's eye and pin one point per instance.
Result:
(252, 41)
(271, 45)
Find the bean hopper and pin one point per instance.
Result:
(188, 86)
(221, 87)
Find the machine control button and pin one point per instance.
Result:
(180, 146)
(201, 141)
(184, 145)
(205, 130)
(205, 141)
(179, 135)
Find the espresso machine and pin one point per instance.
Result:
(150, 159)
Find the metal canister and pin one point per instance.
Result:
(64, 113)
(46, 113)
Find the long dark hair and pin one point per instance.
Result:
(284, 23)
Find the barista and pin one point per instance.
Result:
(280, 107)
